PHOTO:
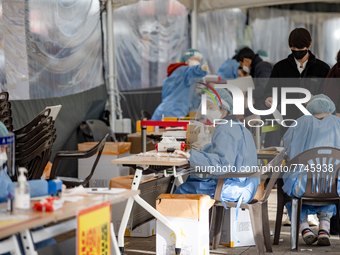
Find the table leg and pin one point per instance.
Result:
(293, 226)
(27, 242)
(128, 209)
(10, 245)
(164, 220)
(115, 248)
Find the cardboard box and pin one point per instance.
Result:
(104, 171)
(192, 134)
(191, 214)
(136, 143)
(244, 230)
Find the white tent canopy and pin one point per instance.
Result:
(213, 5)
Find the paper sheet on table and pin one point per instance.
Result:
(104, 190)
(9, 219)
(72, 199)
(243, 83)
(54, 110)
(77, 191)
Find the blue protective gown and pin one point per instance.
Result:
(230, 146)
(309, 133)
(229, 69)
(176, 92)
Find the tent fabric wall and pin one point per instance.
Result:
(75, 108)
(271, 28)
(219, 34)
(213, 5)
(148, 37)
(54, 48)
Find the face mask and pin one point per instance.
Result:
(246, 69)
(3, 159)
(299, 54)
(193, 63)
(213, 115)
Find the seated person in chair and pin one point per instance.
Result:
(232, 149)
(316, 130)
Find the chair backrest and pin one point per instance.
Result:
(27, 128)
(34, 143)
(145, 115)
(24, 137)
(33, 161)
(98, 129)
(5, 105)
(98, 148)
(4, 96)
(322, 167)
(274, 166)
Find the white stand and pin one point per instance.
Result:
(147, 207)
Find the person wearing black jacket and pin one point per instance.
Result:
(259, 70)
(303, 67)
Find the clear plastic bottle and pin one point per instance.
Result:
(22, 192)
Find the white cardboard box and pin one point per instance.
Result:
(191, 214)
(244, 230)
(145, 230)
(104, 171)
(195, 236)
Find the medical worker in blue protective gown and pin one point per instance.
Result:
(232, 148)
(176, 88)
(7, 186)
(317, 130)
(229, 69)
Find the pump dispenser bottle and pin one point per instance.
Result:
(22, 191)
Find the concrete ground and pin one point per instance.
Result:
(134, 246)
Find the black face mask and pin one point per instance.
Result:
(299, 54)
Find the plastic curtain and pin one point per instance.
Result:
(219, 34)
(271, 28)
(148, 36)
(56, 46)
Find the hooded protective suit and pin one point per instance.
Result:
(176, 91)
(308, 134)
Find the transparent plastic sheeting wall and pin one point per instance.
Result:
(219, 34)
(271, 28)
(148, 36)
(50, 48)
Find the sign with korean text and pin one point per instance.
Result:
(93, 231)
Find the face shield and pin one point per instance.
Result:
(7, 154)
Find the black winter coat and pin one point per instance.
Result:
(312, 78)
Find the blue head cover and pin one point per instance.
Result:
(229, 69)
(191, 53)
(263, 54)
(320, 104)
(240, 48)
(227, 100)
(3, 130)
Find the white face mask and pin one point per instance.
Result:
(3, 159)
(193, 62)
(213, 115)
(246, 69)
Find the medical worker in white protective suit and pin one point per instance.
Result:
(176, 88)
(317, 130)
(232, 147)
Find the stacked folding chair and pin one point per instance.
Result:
(33, 144)
(5, 111)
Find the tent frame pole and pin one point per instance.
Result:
(110, 53)
(194, 15)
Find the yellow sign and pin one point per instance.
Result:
(93, 232)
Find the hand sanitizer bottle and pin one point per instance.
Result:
(22, 192)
